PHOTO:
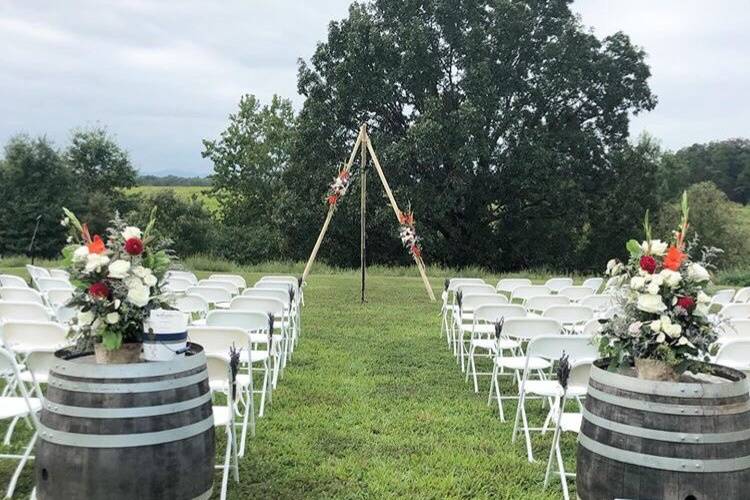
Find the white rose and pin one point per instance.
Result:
(133, 282)
(139, 296)
(635, 328)
(150, 280)
(117, 303)
(674, 330)
(685, 341)
(703, 298)
(119, 269)
(698, 273)
(94, 262)
(131, 232)
(611, 264)
(81, 254)
(653, 288)
(69, 239)
(661, 338)
(637, 282)
(141, 271)
(654, 247)
(655, 325)
(650, 303)
(65, 222)
(112, 318)
(670, 278)
(85, 318)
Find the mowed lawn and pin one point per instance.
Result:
(373, 405)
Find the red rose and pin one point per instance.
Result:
(648, 264)
(687, 303)
(99, 290)
(134, 246)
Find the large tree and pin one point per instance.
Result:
(98, 162)
(502, 122)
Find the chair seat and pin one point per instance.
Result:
(519, 363)
(16, 407)
(571, 422)
(257, 356)
(222, 415)
(491, 344)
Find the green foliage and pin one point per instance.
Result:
(99, 164)
(172, 180)
(725, 163)
(504, 125)
(34, 182)
(734, 276)
(715, 219)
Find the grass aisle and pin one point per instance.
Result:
(374, 406)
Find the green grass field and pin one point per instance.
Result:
(183, 192)
(373, 405)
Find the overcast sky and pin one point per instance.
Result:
(163, 75)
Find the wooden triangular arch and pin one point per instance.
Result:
(363, 144)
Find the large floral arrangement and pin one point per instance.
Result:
(338, 187)
(408, 234)
(664, 309)
(117, 280)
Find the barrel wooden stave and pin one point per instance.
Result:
(177, 462)
(609, 474)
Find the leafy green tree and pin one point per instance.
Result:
(498, 121)
(249, 159)
(716, 220)
(98, 162)
(34, 182)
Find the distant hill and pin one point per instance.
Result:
(172, 180)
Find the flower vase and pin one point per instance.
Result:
(127, 353)
(654, 369)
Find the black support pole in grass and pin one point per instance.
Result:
(363, 215)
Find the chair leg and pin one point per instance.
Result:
(561, 467)
(21, 464)
(225, 472)
(9, 432)
(235, 461)
(548, 472)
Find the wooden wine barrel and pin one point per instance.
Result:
(138, 431)
(642, 439)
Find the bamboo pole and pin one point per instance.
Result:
(331, 209)
(397, 211)
(363, 213)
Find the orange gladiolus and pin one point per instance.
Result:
(674, 258)
(96, 245)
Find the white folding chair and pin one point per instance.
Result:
(735, 354)
(292, 300)
(568, 421)
(23, 337)
(44, 284)
(520, 330)
(229, 286)
(592, 327)
(575, 293)
(508, 285)
(556, 284)
(461, 288)
(465, 318)
(193, 305)
(214, 295)
(36, 272)
(14, 408)
(12, 281)
(548, 348)
(176, 284)
(21, 294)
(483, 333)
(220, 376)
(603, 305)
(448, 297)
(23, 311)
(594, 283)
(217, 341)
(523, 293)
(540, 303)
(236, 279)
(292, 281)
(280, 312)
(742, 295)
(572, 317)
(185, 275)
(721, 298)
(57, 297)
(59, 274)
(729, 311)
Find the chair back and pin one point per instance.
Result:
(18, 294)
(226, 285)
(552, 347)
(12, 281)
(528, 328)
(454, 283)
(469, 288)
(212, 294)
(594, 283)
(37, 272)
(263, 304)
(57, 297)
(729, 311)
(742, 295)
(507, 285)
(192, 304)
(59, 274)
(9, 365)
(274, 285)
(734, 353)
(555, 284)
(217, 340)
(592, 327)
(599, 303)
(541, 303)
(575, 293)
(28, 336)
(282, 295)
(44, 284)
(723, 297)
(570, 315)
(185, 275)
(177, 284)
(491, 313)
(23, 311)
(39, 363)
(580, 372)
(236, 279)
(251, 321)
(525, 292)
(471, 301)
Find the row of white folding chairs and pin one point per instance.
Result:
(730, 296)
(552, 285)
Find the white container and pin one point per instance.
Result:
(164, 335)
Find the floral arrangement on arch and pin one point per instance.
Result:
(408, 234)
(117, 280)
(664, 323)
(338, 187)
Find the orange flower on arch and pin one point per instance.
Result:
(674, 258)
(96, 245)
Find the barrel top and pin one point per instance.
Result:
(734, 383)
(84, 365)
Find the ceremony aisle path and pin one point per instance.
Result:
(374, 406)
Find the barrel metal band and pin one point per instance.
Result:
(135, 387)
(658, 435)
(663, 463)
(670, 389)
(639, 404)
(124, 440)
(135, 370)
(141, 411)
